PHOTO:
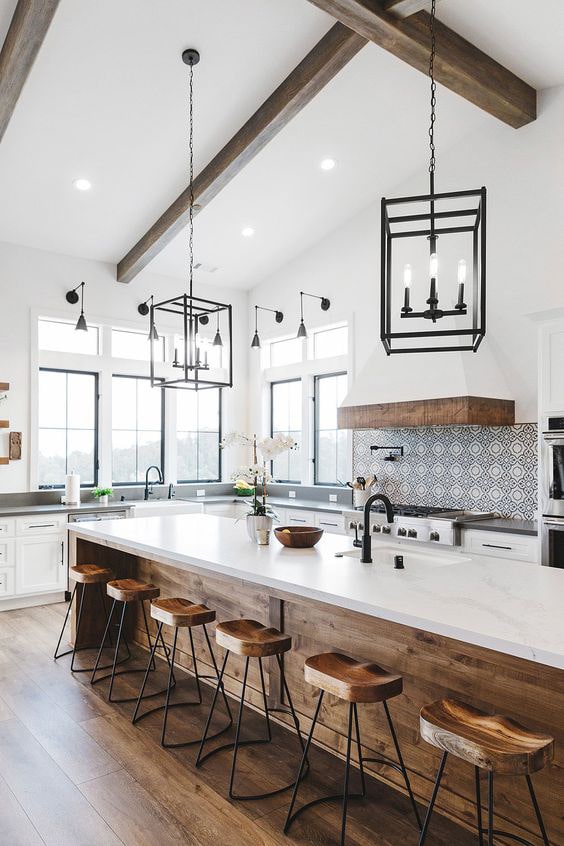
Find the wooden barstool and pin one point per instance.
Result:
(85, 575)
(354, 682)
(251, 640)
(126, 591)
(180, 613)
(493, 743)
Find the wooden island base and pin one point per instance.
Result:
(432, 667)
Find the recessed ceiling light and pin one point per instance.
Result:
(247, 232)
(328, 164)
(82, 184)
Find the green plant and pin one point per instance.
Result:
(98, 492)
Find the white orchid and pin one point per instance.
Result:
(256, 473)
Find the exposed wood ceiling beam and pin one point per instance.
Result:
(405, 8)
(26, 34)
(318, 68)
(459, 65)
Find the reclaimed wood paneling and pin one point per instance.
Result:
(449, 411)
(432, 667)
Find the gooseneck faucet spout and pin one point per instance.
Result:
(161, 480)
(366, 556)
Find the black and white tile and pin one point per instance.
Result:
(472, 467)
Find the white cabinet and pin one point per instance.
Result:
(7, 552)
(551, 387)
(299, 517)
(325, 520)
(7, 528)
(235, 510)
(501, 545)
(7, 582)
(40, 564)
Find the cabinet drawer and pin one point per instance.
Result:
(40, 525)
(297, 517)
(7, 528)
(7, 582)
(334, 523)
(501, 545)
(7, 553)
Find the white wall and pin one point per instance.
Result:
(37, 280)
(523, 171)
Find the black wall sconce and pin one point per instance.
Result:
(144, 309)
(278, 316)
(325, 306)
(72, 297)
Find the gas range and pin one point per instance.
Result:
(417, 523)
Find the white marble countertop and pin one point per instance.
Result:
(508, 606)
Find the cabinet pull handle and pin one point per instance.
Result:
(325, 523)
(62, 553)
(298, 519)
(41, 525)
(497, 546)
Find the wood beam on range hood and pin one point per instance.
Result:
(448, 411)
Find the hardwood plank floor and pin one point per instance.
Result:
(75, 772)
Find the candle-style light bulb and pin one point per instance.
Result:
(433, 266)
(461, 271)
(407, 284)
(461, 281)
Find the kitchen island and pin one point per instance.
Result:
(483, 630)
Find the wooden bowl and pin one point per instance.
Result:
(298, 537)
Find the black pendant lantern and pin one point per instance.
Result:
(278, 316)
(202, 358)
(430, 243)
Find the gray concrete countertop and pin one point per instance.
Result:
(276, 501)
(19, 510)
(500, 524)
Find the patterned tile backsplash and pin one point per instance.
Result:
(472, 467)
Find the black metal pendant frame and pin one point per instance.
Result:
(194, 313)
(435, 223)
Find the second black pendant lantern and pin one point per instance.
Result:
(201, 360)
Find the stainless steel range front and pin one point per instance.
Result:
(416, 523)
(551, 492)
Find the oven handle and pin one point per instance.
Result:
(558, 523)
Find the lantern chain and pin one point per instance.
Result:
(432, 159)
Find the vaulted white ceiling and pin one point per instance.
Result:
(107, 100)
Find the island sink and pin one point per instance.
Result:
(412, 559)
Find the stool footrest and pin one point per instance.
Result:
(333, 798)
(499, 833)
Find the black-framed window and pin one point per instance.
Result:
(67, 427)
(198, 435)
(330, 443)
(286, 418)
(137, 428)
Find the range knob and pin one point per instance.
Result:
(386, 530)
(377, 527)
(434, 536)
(402, 532)
(412, 533)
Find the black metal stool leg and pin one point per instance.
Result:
(479, 806)
(490, 808)
(537, 810)
(359, 750)
(78, 626)
(104, 636)
(146, 676)
(55, 656)
(170, 678)
(239, 722)
(118, 641)
(403, 768)
(346, 779)
(290, 816)
(201, 758)
(423, 835)
(214, 662)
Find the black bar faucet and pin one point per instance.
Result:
(161, 480)
(366, 556)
